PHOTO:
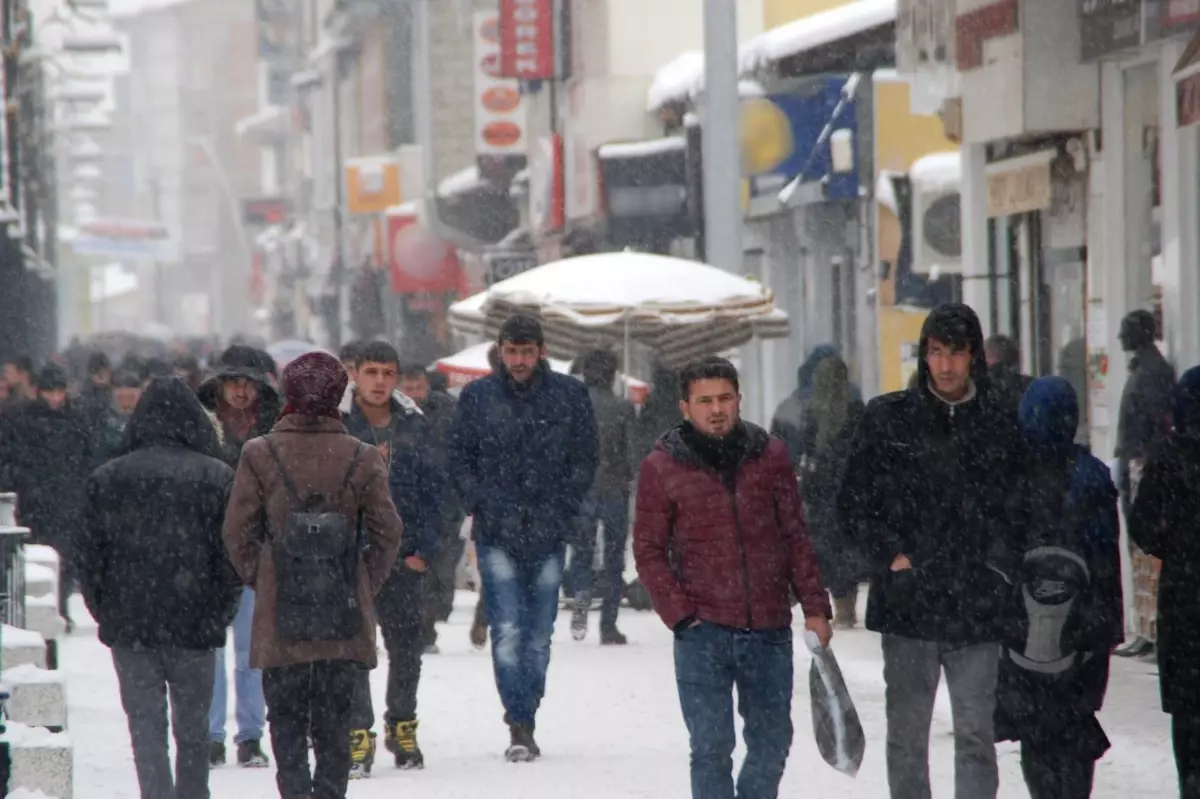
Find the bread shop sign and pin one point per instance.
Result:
(527, 39)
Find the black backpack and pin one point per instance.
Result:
(316, 565)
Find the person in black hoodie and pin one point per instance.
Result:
(1067, 606)
(927, 488)
(1004, 368)
(156, 577)
(49, 452)
(1165, 523)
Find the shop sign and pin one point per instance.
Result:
(1177, 16)
(1109, 26)
(421, 261)
(265, 211)
(527, 39)
(546, 186)
(1020, 185)
(973, 28)
(372, 184)
(500, 110)
(503, 264)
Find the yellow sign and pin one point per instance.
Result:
(372, 185)
(1019, 185)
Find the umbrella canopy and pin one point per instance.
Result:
(680, 309)
(471, 364)
(288, 350)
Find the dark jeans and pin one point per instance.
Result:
(311, 698)
(398, 608)
(145, 677)
(613, 511)
(710, 661)
(66, 584)
(911, 671)
(439, 581)
(1057, 772)
(1185, 735)
(520, 597)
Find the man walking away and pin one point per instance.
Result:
(926, 492)
(1004, 369)
(246, 406)
(719, 543)
(401, 434)
(607, 503)
(49, 454)
(439, 410)
(155, 576)
(312, 528)
(523, 456)
(1165, 523)
(1067, 602)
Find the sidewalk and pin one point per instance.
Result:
(610, 727)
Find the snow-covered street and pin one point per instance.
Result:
(610, 727)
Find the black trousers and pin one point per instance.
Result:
(1185, 735)
(439, 580)
(1057, 772)
(399, 611)
(311, 698)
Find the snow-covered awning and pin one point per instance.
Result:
(682, 79)
(937, 172)
(267, 125)
(642, 149)
(812, 32)
(462, 182)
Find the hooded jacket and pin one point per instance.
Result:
(152, 565)
(1145, 414)
(242, 362)
(416, 478)
(934, 481)
(1068, 501)
(789, 422)
(730, 548)
(1165, 523)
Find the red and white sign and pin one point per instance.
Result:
(500, 110)
(421, 262)
(527, 39)
(975, 27)
(547, 211)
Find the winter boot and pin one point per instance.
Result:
(579, 616)
(845, 614)
(250, 755)
(479, 633)
(362, 754)
(611, 636)
(401, 740)
(521, 748)
(216, 754)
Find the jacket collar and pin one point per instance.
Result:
(675, 444)
(295, 423)
(400, 402)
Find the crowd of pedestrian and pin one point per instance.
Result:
(304, 508)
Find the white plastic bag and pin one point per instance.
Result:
(836, 726)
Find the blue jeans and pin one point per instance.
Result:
(251, 709)
(521, 600)
(613, 511)
(710, 661)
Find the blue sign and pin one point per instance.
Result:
(781, 138)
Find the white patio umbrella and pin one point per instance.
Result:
(289, 349)
(680, 309)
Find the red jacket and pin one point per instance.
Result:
(725, 553)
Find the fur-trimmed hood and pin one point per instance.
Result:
(407, 404)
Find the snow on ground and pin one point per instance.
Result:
(610, 727)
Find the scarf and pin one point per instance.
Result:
(722, 455)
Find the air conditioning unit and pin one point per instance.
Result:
(936, 182)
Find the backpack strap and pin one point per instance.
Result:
(358, 453)
(287, 480)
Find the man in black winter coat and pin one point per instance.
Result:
(155, 575)
(1004, 369)
(926, 492)
(1146, 400)
(49, 451)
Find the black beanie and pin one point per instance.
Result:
(521, 329)
(52, 377)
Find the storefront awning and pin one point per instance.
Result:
(266, 126)
(480, 209)
(849, 38)
(682, 79)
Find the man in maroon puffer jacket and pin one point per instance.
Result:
(720, 545)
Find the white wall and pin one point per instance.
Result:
(645, 34)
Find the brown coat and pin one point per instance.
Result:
(317, 454)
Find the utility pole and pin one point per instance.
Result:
(722, 159)
(160, 288)
(338, 272)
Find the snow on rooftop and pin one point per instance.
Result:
(937, 172)
(641, 149)
(461, 182)
(814, 31)
(677, 80)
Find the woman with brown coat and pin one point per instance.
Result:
(305, 495)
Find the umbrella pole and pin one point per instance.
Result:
(625, 356)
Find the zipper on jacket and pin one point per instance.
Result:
(731, 487)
